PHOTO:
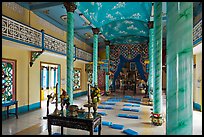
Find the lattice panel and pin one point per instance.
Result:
(83, 54)
(197, 33)
(18, 31)
(8, 80)
(55, 44)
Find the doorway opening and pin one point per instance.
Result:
(50, 74)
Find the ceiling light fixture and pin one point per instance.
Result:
(85, 19)
(64, 17)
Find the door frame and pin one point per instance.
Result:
(42, 62)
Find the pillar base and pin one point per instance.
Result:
(107, 93)
(156, 119)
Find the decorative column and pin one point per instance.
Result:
(107, 71)
(151, 56)
(157, 71)
(179, 102)
(95, 56)
(70, 7)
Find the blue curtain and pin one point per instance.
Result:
(123, 60)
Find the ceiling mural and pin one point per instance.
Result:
(123, 22)
(101, 13)
(119, 22)
(128, 30)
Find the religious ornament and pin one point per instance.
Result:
(64, 99)
(95, 96)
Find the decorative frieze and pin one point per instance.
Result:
(18, 31)
(54, 44)
(197, 33)
(83, 55)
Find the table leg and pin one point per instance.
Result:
(17, 110)
(99, 129)
(49, 128)
(61, 130)
(7, 111)
(92, 128)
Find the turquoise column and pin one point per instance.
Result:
(179, 101)
(70, 7)
(59, 82)
(157, 71)
(95, 56)
(151, 56)
(107, 71)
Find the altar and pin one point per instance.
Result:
(79, 122)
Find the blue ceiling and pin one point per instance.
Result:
(119, 22)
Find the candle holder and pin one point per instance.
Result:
(56, 111)
(89, 105)
(89, 115)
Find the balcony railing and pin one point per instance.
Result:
(18, 32)
(54, 44)
(197, 33)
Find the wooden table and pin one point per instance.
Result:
(79, 122)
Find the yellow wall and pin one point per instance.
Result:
(198, 77)
(102, 53)
(28, 78)
(22, 57)
(16, 12)
(34, 79)
(34, 74)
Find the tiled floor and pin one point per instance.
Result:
(32, 123)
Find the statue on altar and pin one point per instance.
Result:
(64, 99)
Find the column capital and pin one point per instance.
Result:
(70, 6)
(107, 42)
(150, 24)
(95, 30)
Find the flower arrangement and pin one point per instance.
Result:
(95, 95)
